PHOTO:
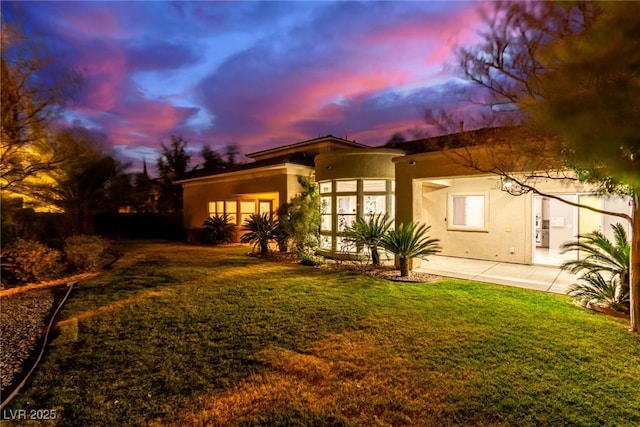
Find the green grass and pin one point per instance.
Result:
(183, 335)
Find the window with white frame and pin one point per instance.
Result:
(350, 186)
(325, 187)
(468, 212)
(326, 222)
(347, 210)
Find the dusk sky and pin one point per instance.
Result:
(258, 74)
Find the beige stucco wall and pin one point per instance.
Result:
(424, 183)
(362, 163)
(277, 183)
(508, 236)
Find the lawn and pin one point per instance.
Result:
(186, 335)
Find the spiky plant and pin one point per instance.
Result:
(409, 241)
(369, 232)
(601, 255)
(593, 288)
(260, 230)
(218, 229)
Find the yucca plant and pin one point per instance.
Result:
(261, 229)
(219, 229)
(601, 255)
(409, 241)
(369, 232)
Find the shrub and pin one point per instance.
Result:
(311, 259)
(600, 255)
(369, 232)
(261, 229)
(218, 229)
(84, 253)
(300, 219)
(409, 241)
(32, 261)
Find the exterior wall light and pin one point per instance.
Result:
(507, 183)
(412, 162)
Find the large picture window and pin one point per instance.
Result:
(342, 201)
(468, 212)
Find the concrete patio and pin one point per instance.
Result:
(537, 277)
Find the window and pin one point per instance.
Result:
(467, 212)
(346, 209)
(247, 208)
(216, 208)
(325, 242)
(212, 209)
(374, 185)
(346, 186)
(231, 209)
(374, 205)
(344, 245)
(265, 206)
(325, 214)
(325, 187)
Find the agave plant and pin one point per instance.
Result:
(261, 229)
(601, 256)
(218, 229)
(369, 232)
(409, 241)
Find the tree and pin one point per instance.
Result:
(31, 97)
(570, 72)
(88, 181)
(396, 138)
(300, 218)
(408, 241)
(141, 194)
(231, 152)
(212, 160)
(172, 166)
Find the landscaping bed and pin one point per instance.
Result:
(23, 321)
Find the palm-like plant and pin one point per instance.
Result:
(261, 229)
(218, 229)
(602, 256)
(593, 288)
(369, 232)
(409, 241)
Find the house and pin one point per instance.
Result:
(261, 186)
(468, 210)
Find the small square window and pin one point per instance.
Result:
(325, 187)
(468, 212)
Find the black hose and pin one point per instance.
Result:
(13, 394)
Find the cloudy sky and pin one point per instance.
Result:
(258, 74)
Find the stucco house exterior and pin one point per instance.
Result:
(261, 186)
(467, 210)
